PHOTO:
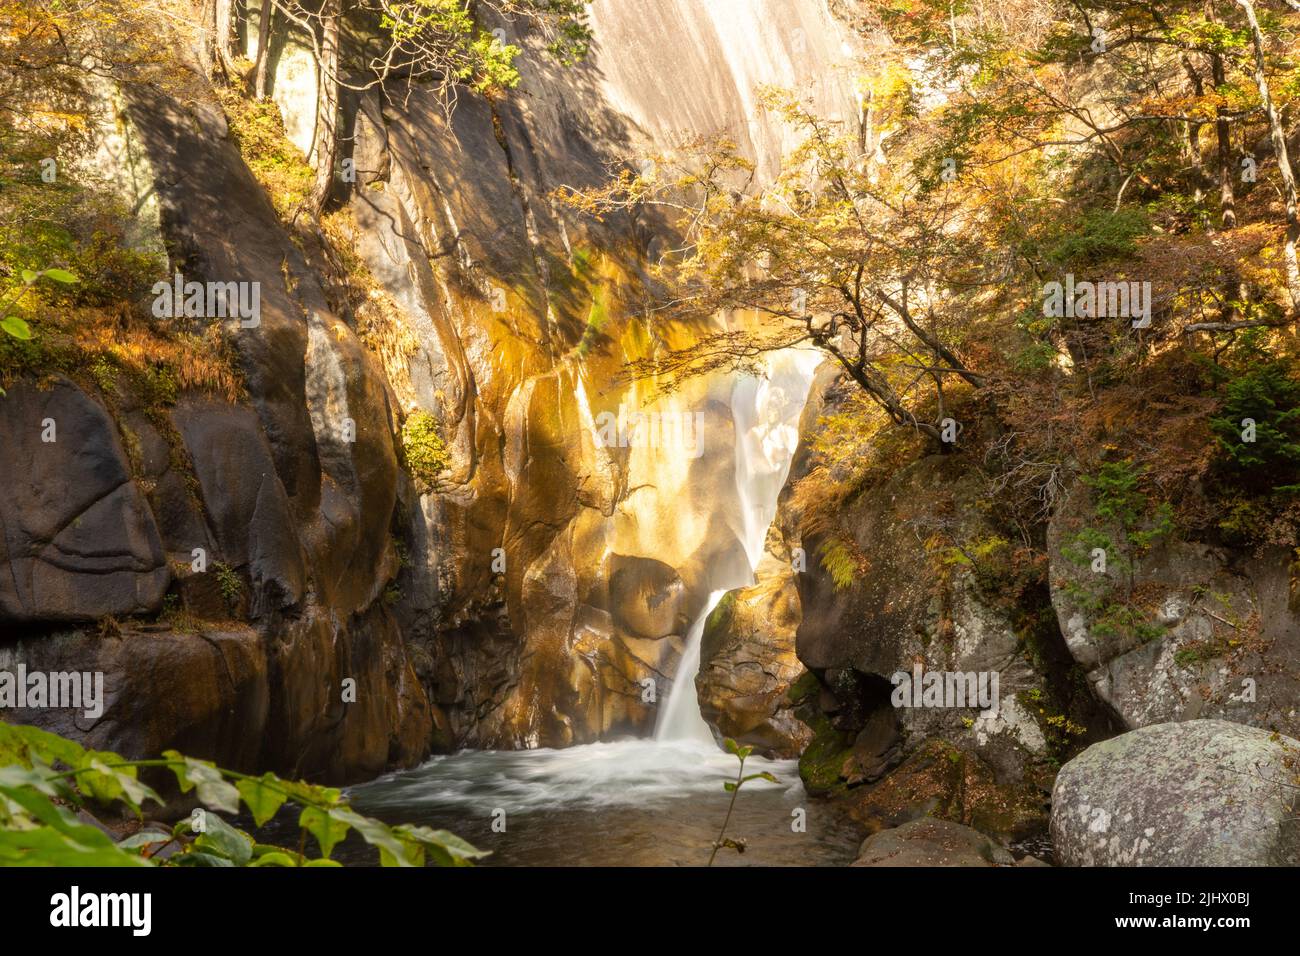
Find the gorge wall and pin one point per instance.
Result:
(348, 615)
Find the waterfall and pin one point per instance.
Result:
(765, 410)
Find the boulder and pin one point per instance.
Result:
(750, 682)
(646, 596)
(931, 842)
(1197, 793)
(204, 693)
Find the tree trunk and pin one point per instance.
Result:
(327, 106)
(1227, 193)
(1227, 189)
(263, 54)
(1283, 160)
(206, 33)
(225, 28)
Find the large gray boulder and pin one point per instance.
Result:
(1198, 793)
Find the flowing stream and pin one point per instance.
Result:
(643, 802)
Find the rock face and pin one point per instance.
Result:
(553, 572)
(1179, 630)
(274, 512)
(931, 842)
(917, 601)
(547, 576)
(1198, 793)
(78, 540)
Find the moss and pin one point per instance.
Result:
(597, 317)
(279, 166)
(803, 689)
(718, 616)
(823, 759)
(426, 454)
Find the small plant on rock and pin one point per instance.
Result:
(229, 583)
(426, 454)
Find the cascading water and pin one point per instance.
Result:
(765, 412)
(680, 718)
(645, 801)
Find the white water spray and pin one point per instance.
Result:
(766, 413)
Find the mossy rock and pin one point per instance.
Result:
(822, 761)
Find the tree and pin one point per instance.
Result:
(869, 262)
(1278, 137)
(397, 43)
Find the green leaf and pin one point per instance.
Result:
(730, 745)
(263, 796)
(60, 275)
(50, 747)
(144, 838)
(199, 858)
(16, 327)
(322, 825)
(107, 784)
(394, 850)
(30, 792)
(178, 767)
(445, 848)
(29, 276)
(763, 775)
(46, 846)
(277, 858)
(213, 790)
(14, 780)
(730, 787)
(221, 839)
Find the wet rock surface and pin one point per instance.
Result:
(751, 685)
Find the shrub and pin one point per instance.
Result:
(426, 455)
(1267, 395)
(1102, 235)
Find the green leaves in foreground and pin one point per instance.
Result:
(45, 778)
